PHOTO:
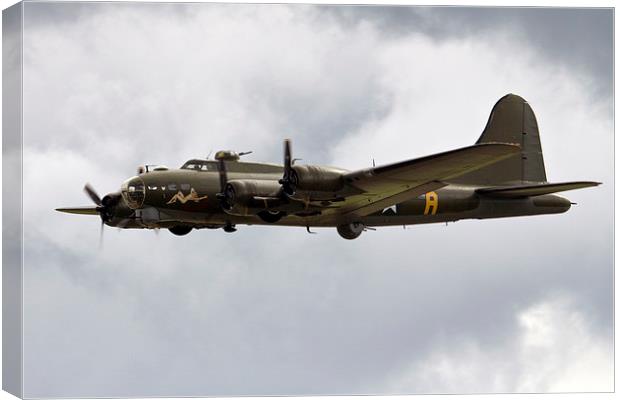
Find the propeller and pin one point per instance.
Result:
(110, 208)
(289, 179)
(92, 194)
(221, 167)
(105, 207)
(101, 235)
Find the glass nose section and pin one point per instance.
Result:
(132, 191)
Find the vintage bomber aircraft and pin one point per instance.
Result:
(502, 175)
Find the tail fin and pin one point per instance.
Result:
(511, 121)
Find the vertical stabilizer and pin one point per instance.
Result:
(511, 121)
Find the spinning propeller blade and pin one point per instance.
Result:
(101, 235)
(289, 177)
(92, 194)
(287, 155)
(221, 167)
(223, 176)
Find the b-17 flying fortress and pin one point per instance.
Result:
(501, 175)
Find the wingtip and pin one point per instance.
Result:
(78, 210)
(591, 183)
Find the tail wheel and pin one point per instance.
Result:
(351, 231)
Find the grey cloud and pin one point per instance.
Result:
(580, 38)
(274, 310)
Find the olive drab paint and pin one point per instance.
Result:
(501, 175)
(512, 120)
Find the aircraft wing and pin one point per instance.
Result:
(374, 189)
(89, 210)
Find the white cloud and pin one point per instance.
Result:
(561, 352)
(555, 349)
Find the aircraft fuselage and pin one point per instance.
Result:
(189, 197)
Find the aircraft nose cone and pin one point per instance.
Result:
(133, 192)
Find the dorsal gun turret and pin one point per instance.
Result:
(229, 155)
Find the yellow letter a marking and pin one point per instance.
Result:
(432, 203)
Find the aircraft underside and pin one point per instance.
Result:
(450, 204)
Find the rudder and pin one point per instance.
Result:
(512, 120)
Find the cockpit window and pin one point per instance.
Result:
(199, 165)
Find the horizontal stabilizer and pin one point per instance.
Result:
(533, 190)
(80, 210)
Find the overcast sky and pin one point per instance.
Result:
(520, 304)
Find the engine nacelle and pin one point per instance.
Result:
(250, 196)
(314, 178)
